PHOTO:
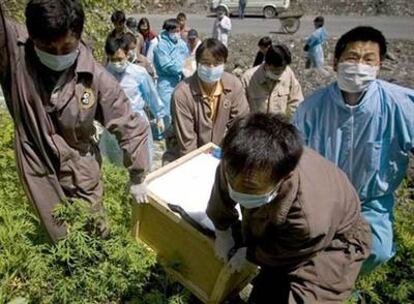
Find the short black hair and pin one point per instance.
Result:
(262, 141)
(265, 42)
(48, 20)
(181, 16)
(113, 44)
(216, 48)
(132, 23)
(118, 16)
(361, 33)
(319, 19)
(170, 24)
(278, 55)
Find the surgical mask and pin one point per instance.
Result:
(118, 67)
(132, 55)
(208, 74)
(250, 201)
(174, 36)
(57, 63)
(273, 76)
(355, 77)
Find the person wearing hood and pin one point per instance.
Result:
(272, 86)
(169, 57)
(300, 215)
(139, 88)
(55, 91)
(206, 104)
(366, 127)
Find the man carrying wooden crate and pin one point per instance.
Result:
(301, 219)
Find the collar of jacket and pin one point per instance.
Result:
(196, 90)
(367, 100)
(286, 196)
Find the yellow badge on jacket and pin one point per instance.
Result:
(87, 99)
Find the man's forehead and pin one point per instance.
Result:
(362, 47)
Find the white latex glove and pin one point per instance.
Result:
(139, 192)
(161, 125)
(223, 244)
(238, 261)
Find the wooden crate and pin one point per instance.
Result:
(186, 253)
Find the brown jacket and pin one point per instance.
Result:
(283, 96)
(56, 154)
(191, 113)
(316, 210)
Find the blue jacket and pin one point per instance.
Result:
(169, 57)
(370, 141)
(140, 90)
(315, 43)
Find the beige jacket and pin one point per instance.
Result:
(265, 96)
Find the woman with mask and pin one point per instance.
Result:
(206, 104)
(138, 87)
(169, 57)
(150, 38)
(301, 217)
(272, 86)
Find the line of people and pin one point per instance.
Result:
(362, 125)
(306, 210)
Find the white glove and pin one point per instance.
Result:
(223, 244)
(139, 192)
(238, 261)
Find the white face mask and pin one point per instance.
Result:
(132, 55)
(355, 77)
(208, 74)
(57, 63)
(118, 67)
(273, 76)
(250, 201)
(174, 37)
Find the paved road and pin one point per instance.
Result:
(393, 27)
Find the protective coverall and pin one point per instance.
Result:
(371, 143)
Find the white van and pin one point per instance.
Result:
(268, 9)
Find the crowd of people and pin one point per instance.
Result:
(315, 177)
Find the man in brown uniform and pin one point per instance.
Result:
(206, 104)
(54, 90)
(301, 218)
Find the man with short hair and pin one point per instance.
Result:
(118, 20)
(169, 56)
(55, 90)
(314, 44)
(206, 104)
(300, 221)
(366, 127)
(182, 21)
(272, 86)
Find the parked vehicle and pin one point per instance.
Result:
(268, 9)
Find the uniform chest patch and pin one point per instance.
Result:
(87, 99)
